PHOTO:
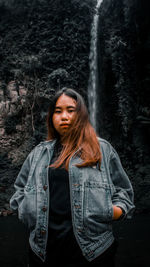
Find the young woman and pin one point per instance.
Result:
(70, 189)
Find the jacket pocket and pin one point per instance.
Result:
(97, 207)
(27, 208)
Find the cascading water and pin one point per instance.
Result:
(92, 84)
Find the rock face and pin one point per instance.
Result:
(44, 46)
(124, 80)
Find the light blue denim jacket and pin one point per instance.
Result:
(93, 191)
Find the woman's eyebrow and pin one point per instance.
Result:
(58, 107)
(71, 107)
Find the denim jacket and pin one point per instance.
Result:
(93, 191)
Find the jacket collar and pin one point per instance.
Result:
(48, 144)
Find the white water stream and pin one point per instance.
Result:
(92, 84)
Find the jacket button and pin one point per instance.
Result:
(77, 206)
(40, 254)
(45, 187)
(76, 184)
(43, 232)
(44, 209)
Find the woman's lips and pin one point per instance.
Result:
(64, 125)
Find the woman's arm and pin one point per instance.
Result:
(20, 183)
(123, 195)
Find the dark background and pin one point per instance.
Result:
(44, 46)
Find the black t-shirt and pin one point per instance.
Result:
(59, 206)
(61, 240)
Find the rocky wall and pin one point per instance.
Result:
(123, 89)
(45, 45)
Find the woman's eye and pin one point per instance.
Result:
(57, 111)
(71, 110)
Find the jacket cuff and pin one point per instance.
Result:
(123, 215)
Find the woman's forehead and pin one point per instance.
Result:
(65, 100)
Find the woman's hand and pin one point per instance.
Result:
(117, 212)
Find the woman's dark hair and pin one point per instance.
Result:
(81, 136)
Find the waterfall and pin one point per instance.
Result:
(92, 83)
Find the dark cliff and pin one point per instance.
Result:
(45, 45)
(124, 82)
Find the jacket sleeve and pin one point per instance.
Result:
(20, 183)
(123, 196)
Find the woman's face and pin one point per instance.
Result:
(64, 114)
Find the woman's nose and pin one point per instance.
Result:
(64, 115)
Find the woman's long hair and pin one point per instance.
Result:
(80, 137)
